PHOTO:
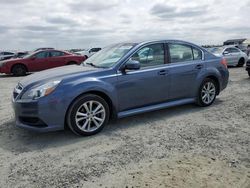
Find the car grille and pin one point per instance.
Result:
(18, 89)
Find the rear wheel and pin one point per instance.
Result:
(241, 62)
(19, 70)
(72, 63)
(88, 115)
(207, 92)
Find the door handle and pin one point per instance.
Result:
(199, 66)
(162, 72)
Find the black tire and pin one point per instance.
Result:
(78, 105)
(200, 100)
(249, 73)
(241, 62)
(72, 63)
(19, 70)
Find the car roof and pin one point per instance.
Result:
(52, 50)
(166, 41)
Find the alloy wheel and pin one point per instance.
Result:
(208, 92)
(90, 116)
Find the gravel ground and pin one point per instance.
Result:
(185, 146)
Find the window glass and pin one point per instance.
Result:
(151, 55)
(41, 55)
(232, 50)
(110, 55)
(180, 53)
(8, 53)
(56, 54)
(197, 54)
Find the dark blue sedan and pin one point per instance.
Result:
(121, 80)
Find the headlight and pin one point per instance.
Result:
(41, 91)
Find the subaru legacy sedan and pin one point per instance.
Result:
(120, 80)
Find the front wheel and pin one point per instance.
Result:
(207, 92)
(19, 70)
(88, 115)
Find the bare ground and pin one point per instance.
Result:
(184, 146)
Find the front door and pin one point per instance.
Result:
(39, 61)
(146, 86)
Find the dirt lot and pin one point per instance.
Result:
(184, 146)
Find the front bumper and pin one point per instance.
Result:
(39, 116)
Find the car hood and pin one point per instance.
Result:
(56, 73)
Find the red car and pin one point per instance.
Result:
(38, 61)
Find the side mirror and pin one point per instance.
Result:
(132, 65)
(225, 53)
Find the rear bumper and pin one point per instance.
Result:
(224, 79)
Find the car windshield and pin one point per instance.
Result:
(28, 55)
(108, 56)
(216, 50)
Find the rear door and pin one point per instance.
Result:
(185, 65)
(56, 59)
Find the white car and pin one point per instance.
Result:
(233, 55)
(89, 52)
(6, 55)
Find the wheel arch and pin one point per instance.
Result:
(102, 94)
(12, 66)
(72, 63)
(216, 81)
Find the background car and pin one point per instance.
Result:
(20, 55)
(233, 55)
(38, 61)
(45, 48)
(121, 80)
(6, 55)
(248, 67)
(89, 52)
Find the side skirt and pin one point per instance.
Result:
(155, 107)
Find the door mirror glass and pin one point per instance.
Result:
(132, 65)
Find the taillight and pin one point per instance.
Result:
(224, 62)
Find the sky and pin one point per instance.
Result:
(65, 24)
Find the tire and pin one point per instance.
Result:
(207, 96)
(86, 122)
(19, 70)
(241, 62)
(249, 73)
(72, 63)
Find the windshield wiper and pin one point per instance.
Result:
(92, 64)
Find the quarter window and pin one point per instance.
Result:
(151, 55)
